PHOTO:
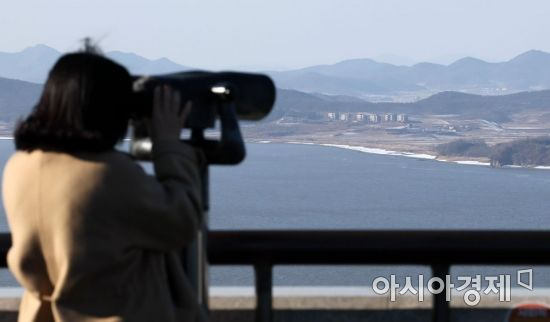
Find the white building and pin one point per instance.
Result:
(343, 116)
(403, 118)
(374, 118)
(360, 117)
(389, 117)
(331, 116)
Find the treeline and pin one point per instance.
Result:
(464, 148)
(524, 152)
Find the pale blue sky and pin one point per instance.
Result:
(282, 33)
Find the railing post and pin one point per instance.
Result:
(264, 292)
(194, 256)
(441, 307)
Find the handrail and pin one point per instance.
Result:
(425, 247)
(437, 248)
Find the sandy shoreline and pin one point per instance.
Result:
(423, 156)
(379, 151)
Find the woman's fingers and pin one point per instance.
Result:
(184, 111)
(157, 100)
(168, 99)
(176, 103)
(168, 113)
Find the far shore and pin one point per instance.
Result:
(422, 155)
(382, 151)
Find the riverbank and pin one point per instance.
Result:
(423, 156)
(416, 155)
(382, 151)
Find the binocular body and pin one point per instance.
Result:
(227, 96)
(253, 95)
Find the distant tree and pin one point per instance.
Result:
(525, 152)
(466, 148)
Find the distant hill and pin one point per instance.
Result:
(140, 65)
(528, 71)
(33, 63)
(492, 108)
(17, 98)
(315, 82)
(355, 77)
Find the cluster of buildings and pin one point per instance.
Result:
(367, 117)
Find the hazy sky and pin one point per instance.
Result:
(283, 33)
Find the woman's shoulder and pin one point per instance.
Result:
(21, 160)
(117, 161)
(107, 160)
(121, 166)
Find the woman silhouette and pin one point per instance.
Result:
(94, 237)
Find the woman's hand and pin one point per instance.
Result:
(168, 114)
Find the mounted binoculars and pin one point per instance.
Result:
(252, 94)
(228, 96)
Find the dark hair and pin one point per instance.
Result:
(85, 106)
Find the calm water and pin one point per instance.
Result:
(285, 186)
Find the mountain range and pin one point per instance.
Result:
(33, 63)
(356, 77)
(306, 89)
(360, 77)
(18, 97)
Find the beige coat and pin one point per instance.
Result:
(95, 238)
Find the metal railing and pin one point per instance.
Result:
(439, 249)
